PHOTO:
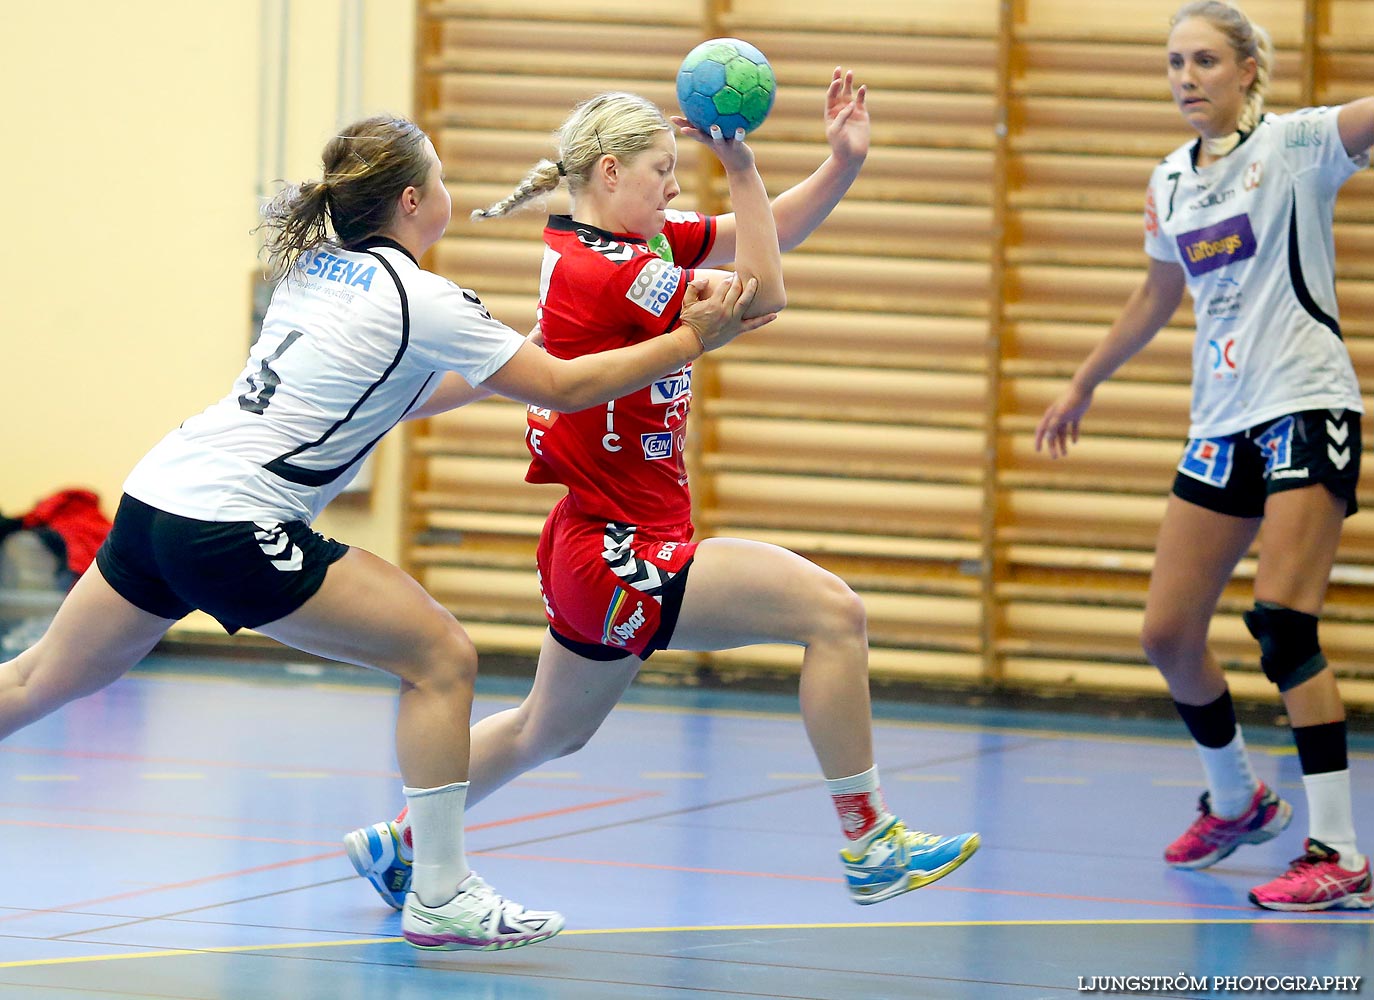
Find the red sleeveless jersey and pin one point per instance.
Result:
(621, 461)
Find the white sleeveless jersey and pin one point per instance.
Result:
(353, 340)
(1253, 233)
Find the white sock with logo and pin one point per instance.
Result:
(436, 823)
(859, 801)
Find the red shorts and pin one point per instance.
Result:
(608, 590)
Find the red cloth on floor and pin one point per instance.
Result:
(75, 515)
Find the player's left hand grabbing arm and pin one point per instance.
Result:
(1356, 122)
(803, 207)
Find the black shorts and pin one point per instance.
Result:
(242, 573)
(1237, 473)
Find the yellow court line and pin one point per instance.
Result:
(898, 924)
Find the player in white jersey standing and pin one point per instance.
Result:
(217, 516)
(1243, 217)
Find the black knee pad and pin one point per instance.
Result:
(1289, 652)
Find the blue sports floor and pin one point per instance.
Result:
(177, 836)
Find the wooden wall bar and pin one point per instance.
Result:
(883, 425)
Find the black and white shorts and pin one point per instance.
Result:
(1235, 474)
(242, 573)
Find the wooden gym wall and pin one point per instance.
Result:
(883, 426)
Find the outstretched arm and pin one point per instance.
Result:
(1356, 123)
(1147, 310)
(800, 209)
(709, 321)
(455, 391)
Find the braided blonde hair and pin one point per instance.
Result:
(611, 124)
(1248, 41)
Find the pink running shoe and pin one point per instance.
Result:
(1316, 881)
(1212, 838)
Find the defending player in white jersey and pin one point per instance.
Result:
(217, 516)
(1242, 216)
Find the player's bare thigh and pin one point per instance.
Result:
(1298, 545)
(371, 613)
(1196, 553)
(741, 592)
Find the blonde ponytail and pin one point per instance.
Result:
(1253, 110)
(540, 181)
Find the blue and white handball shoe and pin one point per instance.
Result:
(379, 855)
(898, 860)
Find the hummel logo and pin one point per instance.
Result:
(1337, 432)
(278, 547)
(612, 249)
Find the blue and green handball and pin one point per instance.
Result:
(726, 82)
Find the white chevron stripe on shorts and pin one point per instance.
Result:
(643, 576)
(278, 547)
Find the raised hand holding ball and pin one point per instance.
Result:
(727, 83)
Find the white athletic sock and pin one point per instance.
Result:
(859, 802)
(1330, 817)
(436, 822)
(1230, 779)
